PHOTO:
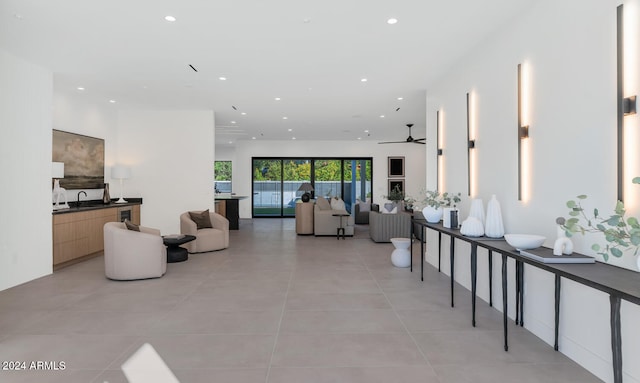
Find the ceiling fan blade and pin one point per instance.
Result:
(418, 142)
(419, 139)
(393, 142)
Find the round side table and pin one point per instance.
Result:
(401, 256)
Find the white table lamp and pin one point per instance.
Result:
(57, 172)
(121, 172)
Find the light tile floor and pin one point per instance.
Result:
(276, 308)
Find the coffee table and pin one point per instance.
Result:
(341, 227)
(175, 253)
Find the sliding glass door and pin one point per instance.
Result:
(276, 182)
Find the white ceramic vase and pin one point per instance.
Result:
(472, 227)
(494, 228)
(432, 214)
(477, 210)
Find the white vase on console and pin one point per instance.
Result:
(477, 210)
(494, 228)
(432, 214)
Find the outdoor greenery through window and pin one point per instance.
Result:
(276, 182)
(222, 170)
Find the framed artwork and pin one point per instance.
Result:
(396, 167)
(83, 158)
(396, 185)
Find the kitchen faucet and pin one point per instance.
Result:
(78, 201)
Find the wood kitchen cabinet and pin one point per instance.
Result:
(78, 234)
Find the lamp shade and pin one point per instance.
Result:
(306, 187)
(120, 172)
(57, 170)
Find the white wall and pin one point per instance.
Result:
(25, 149)
(569, 47)
(245, 150)
(77, 113)
(171, 155)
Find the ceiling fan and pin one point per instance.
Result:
(408, 140)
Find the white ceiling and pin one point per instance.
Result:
(311, 54)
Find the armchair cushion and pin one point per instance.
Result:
(202, 219)
(323, 204)
(131, 226)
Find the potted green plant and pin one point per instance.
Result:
(621, 233)
(435, 204)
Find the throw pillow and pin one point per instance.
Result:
(323, 204)
(337, 204)
(364, 206)
(202, 219)
(385, 210)
(131, 226)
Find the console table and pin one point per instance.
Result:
(617, 282)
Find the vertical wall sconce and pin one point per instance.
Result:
(471, 144)
(625, 105)
(523, 131)
(439, 158)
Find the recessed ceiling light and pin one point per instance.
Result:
(359, 138)
(392, 21)
(233, 122)
(80, 88)
(222, 78)
(363, 80)
(288, 130)
(253, 138)
(231, 142)
(170, 18)
(285, 118)
(366, 131)
(112, 101)
(277, 98)
(400, 98)
(293, 138)
(382, 116)
(244, 113)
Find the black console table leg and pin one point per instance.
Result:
(521, 294)
(490, 278)
(517, 292)
(474, 278)
(558, 278)
(452, 252)
(411, 247)
(504, 300)
(616, 338)
(422, 241)
(439, 249)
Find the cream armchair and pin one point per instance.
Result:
(383, 227)
(131, 254)
(210, 239)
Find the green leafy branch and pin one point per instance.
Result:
(621, 233)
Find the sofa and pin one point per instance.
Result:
(207, 239)
(324, 223)
(383, 227)
(130, 255)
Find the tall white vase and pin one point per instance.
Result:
(494, 228)
(477, 210)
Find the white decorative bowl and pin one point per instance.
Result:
(524, 241)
